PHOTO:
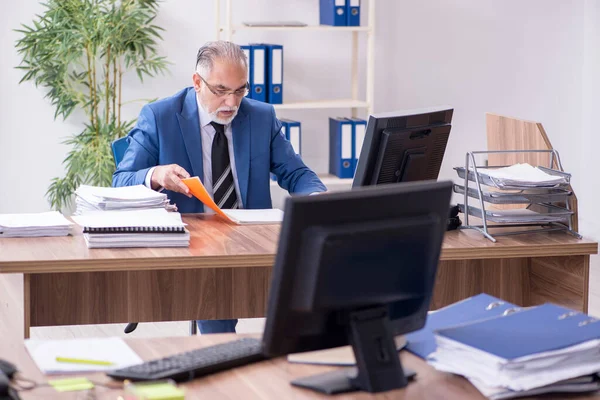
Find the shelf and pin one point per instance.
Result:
(328, 180)
(344, 103)
(316, 28)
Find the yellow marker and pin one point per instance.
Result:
(82, 361)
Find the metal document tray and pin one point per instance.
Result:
(518, 197)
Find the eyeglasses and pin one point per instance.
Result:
(241, 92)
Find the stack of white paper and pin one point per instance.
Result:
(522, 175)
(263, 216)
(32, 225)
(113, 351)
(94, 198)
(154, 227)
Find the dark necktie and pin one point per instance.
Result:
(222, 177)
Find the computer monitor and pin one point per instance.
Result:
(342, 259)
(403, 146)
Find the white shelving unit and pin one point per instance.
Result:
(228, 29)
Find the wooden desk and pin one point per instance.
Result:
(265, 380)
(225, 273)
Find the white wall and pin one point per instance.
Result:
(514, 57)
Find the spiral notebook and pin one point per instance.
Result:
(137, 228)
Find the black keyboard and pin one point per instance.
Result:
(193, 364)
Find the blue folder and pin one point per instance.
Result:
(482, 306)
(359, 126)
(340, 148)
(292, 130)
(333, 12)
(530, 331)
(353, 12)
(274, 70)
(293, 133)
(247, 49)
(258, 72)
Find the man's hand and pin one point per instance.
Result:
(169, 177)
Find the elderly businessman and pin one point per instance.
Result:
(212, 131)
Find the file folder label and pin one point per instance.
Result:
(277, 71)
(359, 130)
(346, 142)
(246, 51)
(295, 138)
(259, 66)
(354, 3)
(340, 3)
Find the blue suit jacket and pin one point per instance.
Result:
(168, 132)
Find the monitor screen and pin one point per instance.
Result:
(403, 146)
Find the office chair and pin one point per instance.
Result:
(119, 146)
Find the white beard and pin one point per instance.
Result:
(214, 115)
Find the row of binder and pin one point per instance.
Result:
(339, 12)
(265, 72)
(346, 136)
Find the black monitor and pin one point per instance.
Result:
(403, 146)
(342, 259)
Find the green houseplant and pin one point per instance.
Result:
(79, 51)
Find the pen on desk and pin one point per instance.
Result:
(82, 361)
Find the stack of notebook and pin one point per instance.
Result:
(34, 225)
(507, 351)
(134, 228)
(95, 198)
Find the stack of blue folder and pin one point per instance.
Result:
(265, 72)
(507, 351)
(339, 12)
(346, 137)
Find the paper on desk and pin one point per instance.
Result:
(237, 216)
(115, 350)
(342, 356)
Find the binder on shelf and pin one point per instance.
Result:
(353, 12)
(359, 126)
(341, 156)
(333, 12)
(247, 49)
(274, 69)
(293, 133)
(422, 342)
(258, 55)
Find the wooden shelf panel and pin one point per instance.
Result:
(342, 103)
(316, 28)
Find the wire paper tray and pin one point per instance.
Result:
(518, 197)
(494, 182)
(521, 216)
(547, 203)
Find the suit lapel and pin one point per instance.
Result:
(240, 128)
(189, 123)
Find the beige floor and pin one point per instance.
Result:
(255, 325)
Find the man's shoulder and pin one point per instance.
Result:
(175, 101)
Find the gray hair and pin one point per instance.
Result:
(221, 49)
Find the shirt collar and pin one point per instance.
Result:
(204, 117)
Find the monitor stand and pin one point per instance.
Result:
(378, 367)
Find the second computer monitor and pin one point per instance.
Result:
(403, 146)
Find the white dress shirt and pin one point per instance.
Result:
(207, 134)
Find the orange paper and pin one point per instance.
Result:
(199, 191)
